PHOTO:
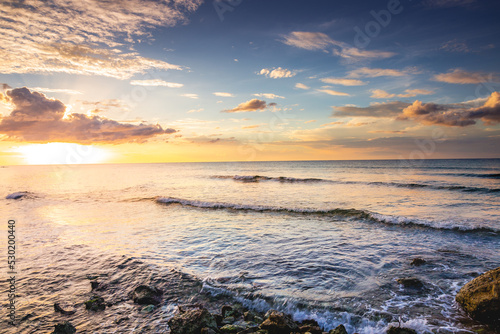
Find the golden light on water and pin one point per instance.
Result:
(62, 154)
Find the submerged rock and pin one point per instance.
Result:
(95, 303)
(340, 329)
(59, 309)
(480, 298)
(418, 261)
(411, 283)
(400, 330)
(17, 195)
(278, 323)
(146, 295)
(64, 328)
(192, 322)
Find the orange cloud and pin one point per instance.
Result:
(249, 106)
(36, 118)
(459, 76)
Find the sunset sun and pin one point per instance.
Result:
(62, 154)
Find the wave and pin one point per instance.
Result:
(364, 215)
(257, 178)
(283, 179)
(481, 175)
(19, 195)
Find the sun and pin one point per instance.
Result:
(62, 154)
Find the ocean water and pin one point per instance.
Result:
(324, 239)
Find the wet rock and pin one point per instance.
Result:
(310, 326)
(148, 309)
(411, 283)
(340, 329)
(59, 309)
(207, 330)
(94, 285)
(95, 303)
(231, 329)
(400, 330)
(278, 323)
(228, 320)
(480, 298)
(146, 295)
(253, 316)
(418, 261)
(64, 328)
(192, 321)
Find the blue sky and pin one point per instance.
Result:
(172, 80)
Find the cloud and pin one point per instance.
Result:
(196, 110)
(83, 37)
(343, 81)
(251, 126)
(222, 94)
(191, 96)
(315, 41)
(387, 110)
(459, 76)
(301, 86)
(36, 118)
(455, 46)
(156, 83)
(55, 90)
(269, 96)
(333, 92)
(447, 3)
(375, 72)
(453, 115)
(382, 94)
(277, 73)
(252, 105)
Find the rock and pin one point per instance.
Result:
(418, 261)
(400, 330)
(411, 283)
(253, 316)
(64, 328)
(59, 309)
(146, 295)
(148, 309)
(192, 321)
(480, 298)
(95, 303)
(231, 329)
(278, 323)
(226, 311)
(228, 320)
(207, 330)
(310, 326)
(340, 329)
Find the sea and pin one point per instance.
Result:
(323, 240)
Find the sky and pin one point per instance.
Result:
(248, 80)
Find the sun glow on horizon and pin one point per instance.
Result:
(62, 154)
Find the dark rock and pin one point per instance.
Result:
(418, 261)
(146, 295)
(59, 309)
(192, 321)
(95, 303)
(480, 298)
(64, 328)
(400, 330)
(279, 323)
(218, 319)
(148, 309)
(253, 316)
(340, 329)
(207, 330)
(411, 283)
(310, 326)
(231, 329)
(226, 311)
(228, 320)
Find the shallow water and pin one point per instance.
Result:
(323, 240)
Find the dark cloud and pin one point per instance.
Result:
(5, 86)
(388, 109)
(452, 115)
(252, 105)
(36, 118)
